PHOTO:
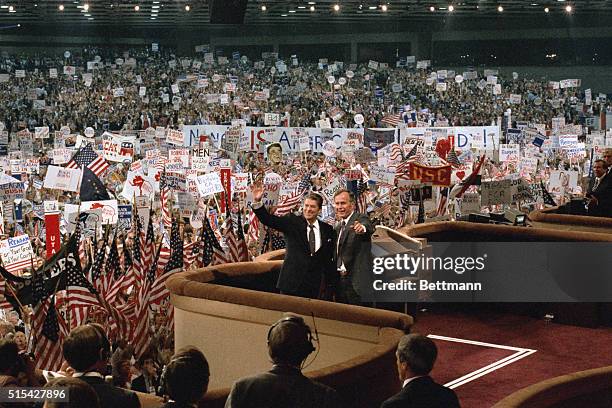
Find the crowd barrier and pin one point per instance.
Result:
(217, 311)
(590, 388)
(550, 218)
(581, 314)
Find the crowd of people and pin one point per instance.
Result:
(124, 266)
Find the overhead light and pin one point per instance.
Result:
(90, 18)
(568, 8)
(500, 8)
(154, 7)
(11, 9)
(86, 6)
(301, 7)
(432, 9)
(384, 7)
(292, 11)
(336, 7)
(283, 15)
(372, 7)
(187, 7)
(546, 9)
(451, 8)
(61, 7)
(152, 18)
(137, 8)
(263, 8)
(312, 8)
(312, 3)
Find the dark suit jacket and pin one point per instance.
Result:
(423, 392)
(301, 273)
(139, 384)
(281, 387)
(603, 193)
(356, 250)
(111, 396)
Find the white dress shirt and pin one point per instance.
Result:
(317, 233)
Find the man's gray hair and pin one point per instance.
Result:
(418, 351)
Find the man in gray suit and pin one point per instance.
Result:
(353, 248)
(289, 344)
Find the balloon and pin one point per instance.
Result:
(442, 148)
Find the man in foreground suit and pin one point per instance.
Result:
(353, 248)
(416, 355)
(289, 344)
(310, 246)
(600, 196)
(87, 350)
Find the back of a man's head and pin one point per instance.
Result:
(85, 346)
(8, 356)
(289, 341)
(185, 378)
(80, 394)
(418, 352)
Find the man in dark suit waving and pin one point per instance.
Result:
(600, 196)
(310, 246)
(353, 248)
(416, 355)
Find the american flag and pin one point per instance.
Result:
(211, 249)
(392, 119)
(452, 158)
(442, 202)
(253, 233)
(87, 157)
(469, 180)
(395, 152)
(45, 328)
(4, 304)
(95, 269)
(362, 200)
(231, 240)
(176, 247)
(287, 204)
(243, 250)
(80, 293)
(273, 240)
(304, 184)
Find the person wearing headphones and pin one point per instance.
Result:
(87, 350)
(185, 378)
(289, 344)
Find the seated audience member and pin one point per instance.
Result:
(148, 381)
(289, 344)
(416, 355)
(122, 372)
(80, 394)
(87, 350)
(185, 378)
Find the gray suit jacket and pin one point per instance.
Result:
(281, 387)
(356, 250)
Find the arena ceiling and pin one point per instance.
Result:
(160, 13)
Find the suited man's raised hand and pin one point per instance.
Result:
(359, 228)
(257, 190)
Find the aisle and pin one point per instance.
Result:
(483, 374)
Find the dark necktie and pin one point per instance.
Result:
(311, 239)
(339, 255)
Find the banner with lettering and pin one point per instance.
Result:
(438, 176)
(16, 253)
(53, 240)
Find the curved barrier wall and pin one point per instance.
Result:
(590, 388)
(460, 231)
(549, 218)
(356, 351)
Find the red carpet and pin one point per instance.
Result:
(561, 349)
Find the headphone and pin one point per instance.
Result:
(307, 347)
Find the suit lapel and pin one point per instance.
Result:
(347, 228)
